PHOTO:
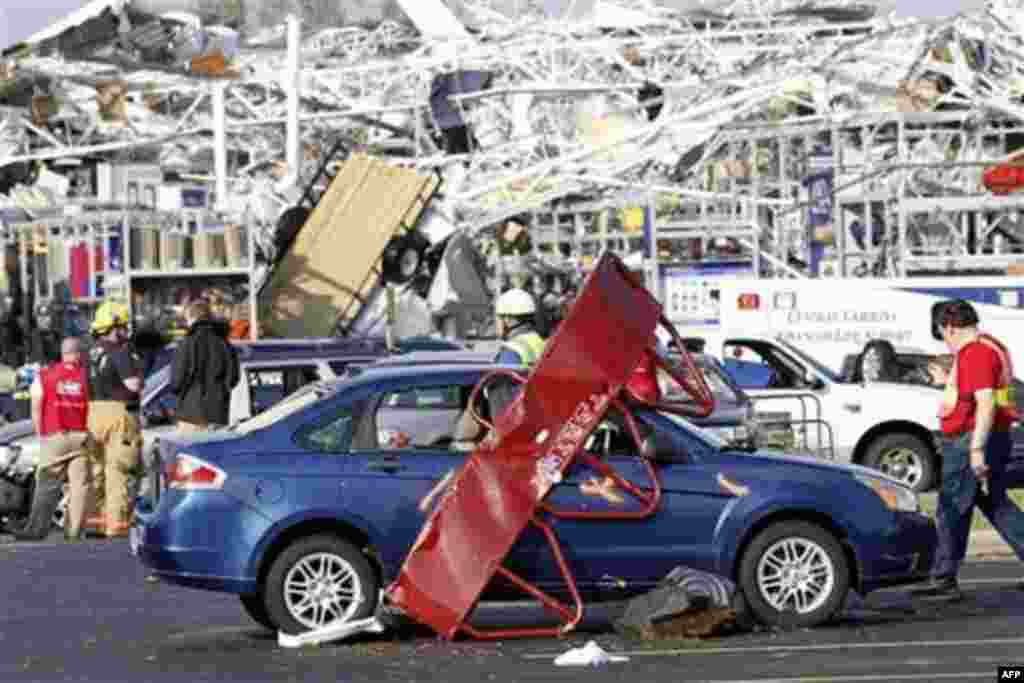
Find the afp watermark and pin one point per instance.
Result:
(1010, 673)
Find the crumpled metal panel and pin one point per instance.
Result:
(497, 494)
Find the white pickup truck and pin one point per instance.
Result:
(882, 425)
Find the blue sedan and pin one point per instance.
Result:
(308, 510)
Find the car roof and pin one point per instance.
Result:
(460, 357)
(422, 374)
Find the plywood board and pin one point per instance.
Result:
(332, 262)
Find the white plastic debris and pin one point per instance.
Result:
(590, 654)
(329, 634)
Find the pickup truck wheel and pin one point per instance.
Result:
(904, 457)
(319, 581)
(794, 574)
(253, 605)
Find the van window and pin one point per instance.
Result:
(268, 385)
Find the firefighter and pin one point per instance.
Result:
(60, 408)
(977, 413)
(516, 313)
(115, 383)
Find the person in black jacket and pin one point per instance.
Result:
(204, 371)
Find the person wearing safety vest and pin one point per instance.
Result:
(516, 311)
(115, 383)
(60, 409)
(977, 414)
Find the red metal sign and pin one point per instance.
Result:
(501, 489)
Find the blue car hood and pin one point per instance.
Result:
(812, 462)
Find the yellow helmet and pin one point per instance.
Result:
(109, 315)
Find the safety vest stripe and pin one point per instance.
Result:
(530, 347)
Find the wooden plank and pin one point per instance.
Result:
(330, 267)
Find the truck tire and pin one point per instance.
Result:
(319, 581)
(904, 457)
(403, 257)
(794, 593)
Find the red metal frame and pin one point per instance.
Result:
(536, 439)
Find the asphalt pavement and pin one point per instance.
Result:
(86, 613)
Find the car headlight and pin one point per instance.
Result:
(895, 496)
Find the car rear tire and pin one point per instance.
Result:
(254, 606)
(794, 574)
(904, 457)
(319, 581)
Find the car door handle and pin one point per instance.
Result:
(852, 407)
(390, 465)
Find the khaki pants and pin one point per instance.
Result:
(68, 455)
(118, 454)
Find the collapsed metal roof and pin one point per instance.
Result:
(555, 99)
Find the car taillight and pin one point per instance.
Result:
(188, 472)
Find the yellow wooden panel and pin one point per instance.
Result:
(332, 260)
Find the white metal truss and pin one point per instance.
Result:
(746, 89)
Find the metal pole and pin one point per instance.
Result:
(291, 83)
(220, 144)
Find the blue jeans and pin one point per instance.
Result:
(960, 492)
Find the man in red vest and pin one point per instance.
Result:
(978, 412)
(60, 411)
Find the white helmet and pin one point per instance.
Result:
(515, 303)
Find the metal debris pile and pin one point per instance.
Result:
(517, 104)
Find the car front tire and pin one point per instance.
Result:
(319, 581)
(794, 574)
(254, 606)
(904, 457)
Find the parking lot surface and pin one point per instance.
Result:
(86, 613)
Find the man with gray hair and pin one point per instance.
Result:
(60, 412)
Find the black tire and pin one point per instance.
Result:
(288, 225)
(253, 605)
(756, 580)
(402, 258)
(905, 457)
(304, 550)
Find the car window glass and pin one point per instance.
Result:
(332, 436)
(268, 385)
(759, 368)
(713, 375)
(426, 417)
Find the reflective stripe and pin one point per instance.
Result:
(1005, 393)
(529, 346)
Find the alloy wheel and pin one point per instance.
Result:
(795, 574)
(322, 589)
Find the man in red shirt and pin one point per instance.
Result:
(60, 410)
(977, 414)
